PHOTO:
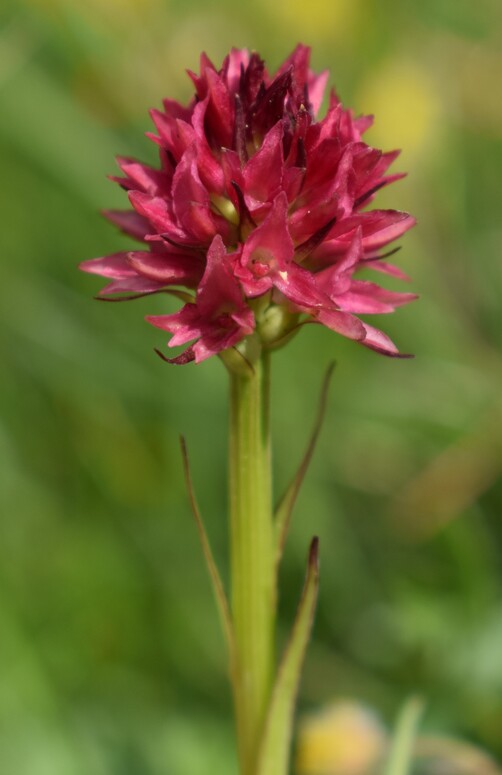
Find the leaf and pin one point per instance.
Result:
(402, 745)
(218, 588)
(285, 507)
(273, 757)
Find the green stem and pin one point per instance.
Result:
(252, 555)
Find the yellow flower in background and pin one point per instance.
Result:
(316, 19)
(403, 95)
(343, 739)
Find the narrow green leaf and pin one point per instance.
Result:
(273, 758)
(286, 504)
(218, 588)
(401, 749)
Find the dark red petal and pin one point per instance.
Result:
(263, 172)
(187, 356)
(191, 200)
(167, 268)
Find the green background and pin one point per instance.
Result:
(111, 660)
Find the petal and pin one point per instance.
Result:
(220, 112)
(187, 356)
(174, 109)
(368, 298)
(156, 211)
(132, 285)
(236, 61)
(343, 323)
(263, 172)
(218, 287)
(377, 340)
(130, 222)
(184, 324)
(175, 135)
(214, 343)
(384, 226)
(317, 87)
(269, 106)
(210, 171)
(385, 268)
(336, 278)
(191, 200)
(167, 268)
(298, 286)
(114, 266)
(145, 178)
(269, 249)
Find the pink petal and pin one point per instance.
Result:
(377, 340)
(155, 210)
(298, 286)
(368, 298)
(237, 59)
(267, 251)
(175, 135)
(215, 342)
(145, 178)
(174, 109)
(131, 285)
(342, 323)
(336, 278)
(362, 124)
(129, 222)
(184, 324)
(384, 226)
(114, 266)
(385, 268)
(317, 86)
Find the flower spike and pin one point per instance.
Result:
(257, 194)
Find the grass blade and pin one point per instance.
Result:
(285, 507)
(274, 752)
(401, 749)
(218, 588)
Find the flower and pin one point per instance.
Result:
(258, 211)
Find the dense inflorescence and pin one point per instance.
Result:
(258, 212)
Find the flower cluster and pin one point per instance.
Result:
(258, 211)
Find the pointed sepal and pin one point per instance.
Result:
(274, 753)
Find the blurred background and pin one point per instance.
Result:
(111, 660)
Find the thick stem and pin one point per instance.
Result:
(252, 554)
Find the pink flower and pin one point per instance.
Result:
(258, 207)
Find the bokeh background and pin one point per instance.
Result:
(110, 656)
